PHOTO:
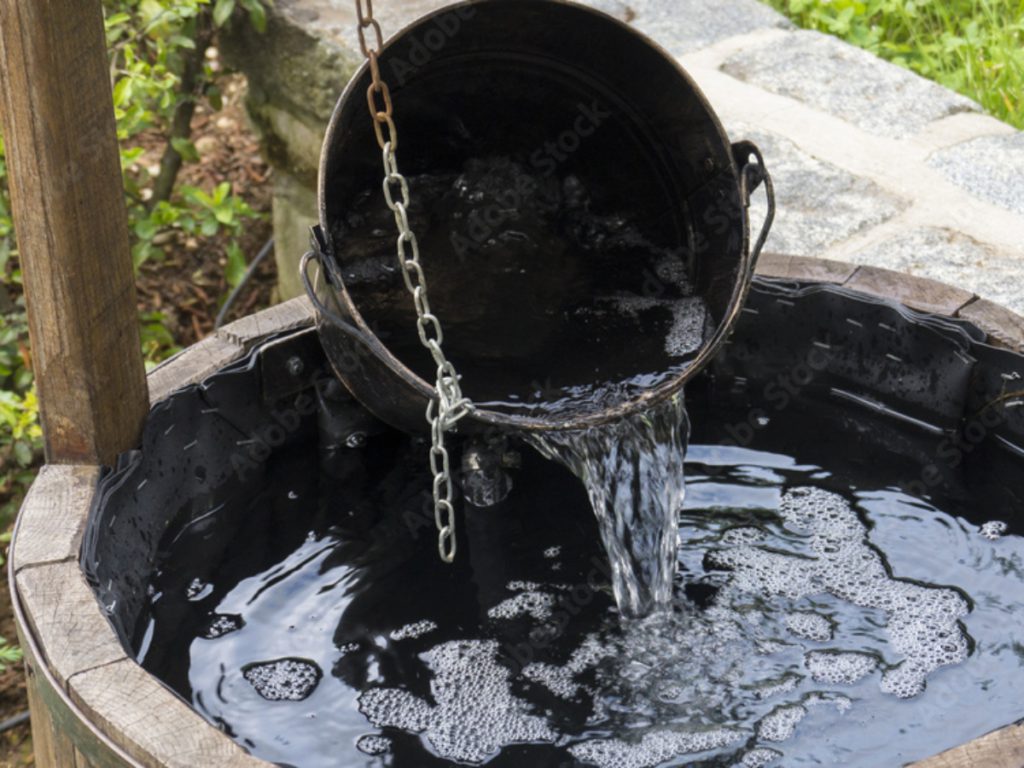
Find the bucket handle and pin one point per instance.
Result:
(317, 256)
(752, 175)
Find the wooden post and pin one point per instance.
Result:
(72, 227)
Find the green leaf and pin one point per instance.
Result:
(186, 149)
(23, 453)
(145, 229)
(209, 227)
(221, 193)
(222, 12)
(117, 19)
(182, 42)
(258, 16)
(236, 266)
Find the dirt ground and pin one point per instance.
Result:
(187, 288)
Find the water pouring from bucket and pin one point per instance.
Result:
(573, 229)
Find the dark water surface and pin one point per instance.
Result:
(821, 616)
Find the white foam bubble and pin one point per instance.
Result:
(535, 604)
(523, 586)
(760, 758)
(374, 745)
(686, 336)
(771, 688)
(475, 714)
(655, 748)
(840, 667)
(223, 624)
(780, 724)
(994, 530)
(558, 680)
(552, 552)
(283, 679)
(414, 630)
(810, 626)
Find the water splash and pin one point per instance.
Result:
(633, 472)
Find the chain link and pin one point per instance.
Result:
(449, 405)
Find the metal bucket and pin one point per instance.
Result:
(573, 94)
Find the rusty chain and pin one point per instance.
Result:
(449, 405)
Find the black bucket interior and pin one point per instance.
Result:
(558, 163)
(269, 555)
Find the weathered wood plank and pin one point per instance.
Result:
(65, 619)
(289, 316)
(192, 366)
(804, 269)
(1004, 328)
(60, 732)
(66, 192)
(53, 516)
(916, 292)
(1001, 749)
(145, 719)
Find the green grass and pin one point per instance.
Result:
(975, 47)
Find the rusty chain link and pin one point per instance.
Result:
(449, 405)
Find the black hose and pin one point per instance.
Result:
(14, 722)
(230, 300)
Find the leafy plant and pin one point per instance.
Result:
(975, 47)
(9, 654)
(160, 72)
(21, 439)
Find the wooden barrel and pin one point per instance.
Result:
(93, 706)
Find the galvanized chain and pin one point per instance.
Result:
(449, 404)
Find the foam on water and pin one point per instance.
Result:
(535, 604)
(633, 473)
(780, 724)
(373, 745)
(414, 630)
(222, 624)
(760, 758)
(810, 626)
(922, 621)
(284, 679)
(654, 748)
(994, 530)
(476, 713)
(840, 667)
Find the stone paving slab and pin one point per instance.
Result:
(817, 204)
(990, 167)
(847, 82)
(682, 26)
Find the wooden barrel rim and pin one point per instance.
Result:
(85, 693)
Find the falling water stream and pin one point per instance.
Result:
(633, 473)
